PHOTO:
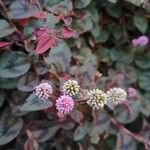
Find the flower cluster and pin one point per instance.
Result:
(116, 95)
(71, 87)
(43, 90)
(141, 41)
(96, 98)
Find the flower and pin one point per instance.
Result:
(132, 92)
(43, 90)
(116, 95)
(64, 105)
(70, 87)
(140, 41)
(96, 98)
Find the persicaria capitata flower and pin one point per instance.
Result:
(116, 95)
(141, 41)
(96, 98)
(70, 87)
(64, 105)
(43, 90)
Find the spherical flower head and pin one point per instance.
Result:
(96, 98)
(70, 87)
(64, 105)
(116, 95)
(143, 40)
(135, 42)
(140, 41)
(43, 90)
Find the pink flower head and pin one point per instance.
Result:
(43, 90)
(135, 42)
(64, 105)
(132, 92)
(141, 41)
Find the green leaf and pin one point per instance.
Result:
(5, 28)
(43, 135)
(79, 4)
(59, 57)
(145, 104)
(8, 83)
(28, 30)
(127, 143)
(143, 62)
(33, 103)
(10, 127)
(144, 81)
(141, 23)
(122, 113)
(113, 1)
(27, 82)
(136, 2)
(79, 133)
(13, 64)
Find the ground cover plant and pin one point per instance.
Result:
(74, 74)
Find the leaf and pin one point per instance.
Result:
(79, 133)
(44, 44)
(4, 44)
(126, 142)
(27, 82)
(113, 1)
(5, 29)
(143, 62)
(33, 103)
(40, 67)
(10, 127)
(145, 106)
(28, 30)
(141, 23)
(67, 32)
(8, 83)
(123, 115)
(136, 2)
(59, 56)
(82, 130)
(22, 9)
(143, 81)
(80, 4)
(13, 64)
(77, 116)
(83, 25)
(64, 7)
(43, 135)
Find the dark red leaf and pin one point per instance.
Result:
(44, 44)
(67, 32)
(5, 44)
(23, 22)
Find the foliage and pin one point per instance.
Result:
(89, 41)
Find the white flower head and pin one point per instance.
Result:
(71, 87)
(43, 90)
(116, 95)
(96, 98)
